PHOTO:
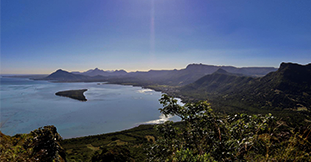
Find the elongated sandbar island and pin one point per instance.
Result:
(74, 94)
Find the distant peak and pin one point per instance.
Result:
(96, 69)
(194, 65)
(221, 71)
(60, 70)
(123, 71)
(198, 65)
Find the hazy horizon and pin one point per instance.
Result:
(39, 37)
(125, 69)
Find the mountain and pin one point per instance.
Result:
(218, 83)
(287, 88)
(61, 75)
(175, 77)
(248, 71)
(65, 76)
(221, 71)
(186, 76)
(96, 72)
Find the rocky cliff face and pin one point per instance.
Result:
(39, 145)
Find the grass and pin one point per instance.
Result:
(302, 109)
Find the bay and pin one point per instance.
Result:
(27, 105)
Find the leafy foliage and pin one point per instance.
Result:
(207, 136)
(39, 145)
(113, 154)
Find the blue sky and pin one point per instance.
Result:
(41, 36)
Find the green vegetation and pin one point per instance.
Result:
(248, 133)
(74, 94)
(132, 142)
(285, 93)
(202, 135)
(39, 145)
(207, 136)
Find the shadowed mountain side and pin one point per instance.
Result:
(218, 83)
(287, 88)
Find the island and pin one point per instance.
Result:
(74, 94)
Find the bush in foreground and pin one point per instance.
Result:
(207, 136)
(39, 145)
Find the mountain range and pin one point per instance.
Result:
(287, 88)
(65, 76)
(162, 77)
(96, 71)
(264, 88)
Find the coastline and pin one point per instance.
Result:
(71, 108)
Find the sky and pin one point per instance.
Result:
(41, 36)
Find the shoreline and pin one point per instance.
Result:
(79, 88)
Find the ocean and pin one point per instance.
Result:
(26, 105)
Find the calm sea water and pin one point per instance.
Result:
(27, 105)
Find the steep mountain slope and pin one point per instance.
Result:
(219, 83)
(287, 88)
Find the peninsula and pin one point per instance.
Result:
(74, 94)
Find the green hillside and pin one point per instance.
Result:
(288, 88)
(218, 83)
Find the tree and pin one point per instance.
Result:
(113, 154)
(208, 136)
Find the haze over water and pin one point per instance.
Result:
(27, 105)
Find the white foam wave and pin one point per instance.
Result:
(159, 121)
(145, 90)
